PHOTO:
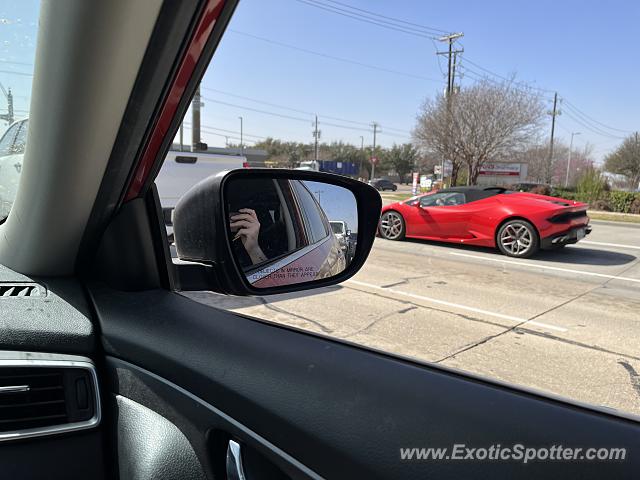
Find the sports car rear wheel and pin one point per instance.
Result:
(518, 238)
(392, 226)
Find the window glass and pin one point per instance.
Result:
(320, 85)
(18, 31)
(314, 218)
(21, 139)
(8, 140)
(442, 199)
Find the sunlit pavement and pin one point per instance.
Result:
(566, 322)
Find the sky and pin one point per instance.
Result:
(281, 57)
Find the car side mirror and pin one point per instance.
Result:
(267, 231)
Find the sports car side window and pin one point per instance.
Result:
(444, 199)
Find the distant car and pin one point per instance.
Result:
(518, 224)
(341, 233)
(382, 184)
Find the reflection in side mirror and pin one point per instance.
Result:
(267, 231)
(287, 231)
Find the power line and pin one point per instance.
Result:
(587, 117)
(506, 79)
(331, 57)
(10, 72)
(291, 117)
(394, 19)
(379, 23)
(276, 105)
(591, 128)
(227, 131)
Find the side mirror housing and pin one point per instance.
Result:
(267, 231)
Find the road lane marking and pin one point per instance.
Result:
(459, 306)
(546, 267)
(618, 245)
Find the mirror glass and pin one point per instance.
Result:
(286, 231)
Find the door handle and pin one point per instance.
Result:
(235, 470)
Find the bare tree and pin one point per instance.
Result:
(434, 134)
(626, 160)
(482, 122)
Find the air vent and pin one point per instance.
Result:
(21, 290)
(31, 397)
(45, 397)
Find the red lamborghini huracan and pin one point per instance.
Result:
(519, 224)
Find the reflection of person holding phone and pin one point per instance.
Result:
(246, 227)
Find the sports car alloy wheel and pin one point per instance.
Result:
(392, 226)
(518, 239)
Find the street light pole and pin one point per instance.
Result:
(566, 180)
(241, 143)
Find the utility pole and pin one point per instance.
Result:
(316, 137)
(566, 180)
(362, 154)
(452, 56)
(554, 113)
(195, 121)
(181, 138)
(374, 159)
(8, 117)
(241, 137)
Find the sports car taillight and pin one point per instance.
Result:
(566, 217)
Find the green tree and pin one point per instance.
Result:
(626, 160)
(592, 185)
(401, 159)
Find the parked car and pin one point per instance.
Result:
(518, 224)
(12, 145)
(382, 184)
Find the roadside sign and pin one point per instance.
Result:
(437, 170)
(414, 186)
(374, 160)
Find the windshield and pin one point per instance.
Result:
(18, 29)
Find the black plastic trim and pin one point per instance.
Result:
(345, 411)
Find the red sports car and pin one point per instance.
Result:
(519, 224)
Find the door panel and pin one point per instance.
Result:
(340, 410)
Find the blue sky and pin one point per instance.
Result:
(586, 50)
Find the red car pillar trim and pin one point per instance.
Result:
(188, 63)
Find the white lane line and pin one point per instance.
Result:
(546, 267)
(458, 306)
(618, 245)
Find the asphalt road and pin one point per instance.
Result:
(566, 322)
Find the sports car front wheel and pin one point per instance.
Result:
(518, 238)
(392, 226)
